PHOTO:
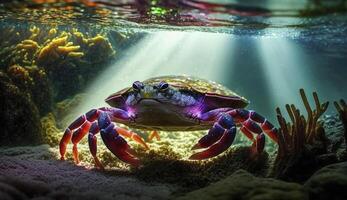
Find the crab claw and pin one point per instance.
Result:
(116, 143)
(219, 138)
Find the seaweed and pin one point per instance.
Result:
(301, 141)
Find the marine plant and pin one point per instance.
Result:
(300, 141)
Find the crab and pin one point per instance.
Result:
(169, 103)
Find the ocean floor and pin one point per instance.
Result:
(35, 172)
(31, 172)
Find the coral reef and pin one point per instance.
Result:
(19, 115)
(58, 51)
(302, 143)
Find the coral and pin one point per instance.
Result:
(302, 145)
(25, 52)
(242, 185)
(99, 44)
(56, 51)
(293, 137)
(19, 115)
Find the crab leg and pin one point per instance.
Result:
(250, 120)
(154, 134)
(134, 136)
(253, 123)
(92, 142)
(114, 142)
(219, 138)
(81, 124)
(80, 127)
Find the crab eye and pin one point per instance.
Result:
(163, 86)
(137, 85)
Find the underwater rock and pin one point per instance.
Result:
(244, 186)
(19, 115)
(34, 83)
(341, 108)
(329, 182)
(63, 110)
(334, 132)
(41, 90)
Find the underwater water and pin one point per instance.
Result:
(59, 59)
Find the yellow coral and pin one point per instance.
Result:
(28, 44)
(58, 47)
(35, 31)
(52, 32)
(67, 49)
(75, 54)
(49, 51)
(51, 48)
(25, 52)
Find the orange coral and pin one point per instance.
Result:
(293, 136)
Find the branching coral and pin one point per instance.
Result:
(57, 50)
(301, 141)
(25, 52)
(293, 136)
(342, 110)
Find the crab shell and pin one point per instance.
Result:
(214, 96)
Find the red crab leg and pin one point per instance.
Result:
(252, 122)
(248, 119)
(129, 134)
(224, 129)
(114, 142)
(92, 141)
(154, 134)
(80, 127)
(76, 138)
(78, 134)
